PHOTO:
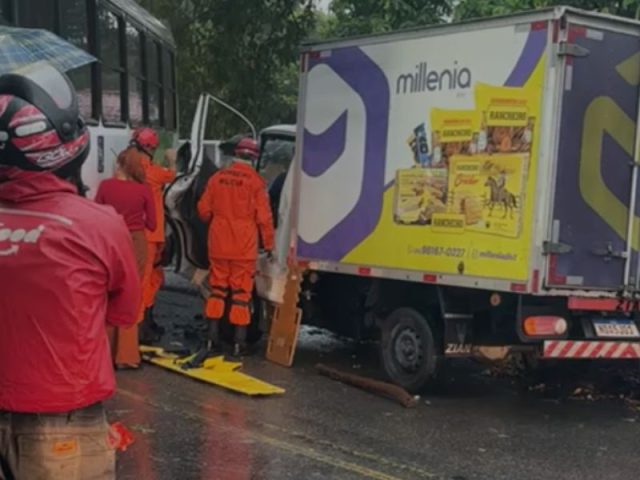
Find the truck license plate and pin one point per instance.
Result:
(616, 328)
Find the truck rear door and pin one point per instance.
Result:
(595, 184)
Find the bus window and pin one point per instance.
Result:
(169, 86)
(6, 12)
(37, 14)
(81, 79)
(74, 30)
(112, 71)
(136, 78)
(153, 79)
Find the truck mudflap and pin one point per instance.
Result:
(579, 349)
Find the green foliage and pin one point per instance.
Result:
(243, 51)
(360, 17)
(246, 51)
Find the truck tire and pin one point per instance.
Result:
(408, 350)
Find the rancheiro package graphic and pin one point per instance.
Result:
(454, 132)
(507, 121)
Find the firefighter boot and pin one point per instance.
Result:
(211, 347)
(240, 342)
(148, 334)
(155, 327)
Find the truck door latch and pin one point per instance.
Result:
(556, 248)
(608, 253)
(566, 49)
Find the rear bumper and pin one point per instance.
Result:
(578, 349)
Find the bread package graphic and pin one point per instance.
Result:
(419, 194)
(454, 132)
(506, 119)
(466, 192)
(489, 191)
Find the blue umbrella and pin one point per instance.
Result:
(20, 47)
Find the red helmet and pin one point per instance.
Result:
(146, 139)
(40, 126)
(247, 148)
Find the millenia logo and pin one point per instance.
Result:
(425, 80)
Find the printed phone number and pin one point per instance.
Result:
(438, 251)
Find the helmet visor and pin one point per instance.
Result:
(51, 81)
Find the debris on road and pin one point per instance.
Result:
(120, 437)
(384, 389)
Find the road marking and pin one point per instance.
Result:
(281, 444)
(414, 471)
(356, 453)
(320, 457)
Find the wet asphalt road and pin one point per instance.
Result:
(478, 427)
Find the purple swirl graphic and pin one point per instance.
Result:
(321, 151)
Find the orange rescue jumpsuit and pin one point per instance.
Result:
(156, 177)
(236, 204)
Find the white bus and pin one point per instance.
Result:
(133, 84)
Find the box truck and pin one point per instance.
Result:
(473, 185)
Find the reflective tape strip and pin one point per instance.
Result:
(33, 213)
(587, 349)
(240, 303)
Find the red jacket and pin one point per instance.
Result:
(237, 205)
(67, 269)
(130, 199)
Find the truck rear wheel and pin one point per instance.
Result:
(408, 349)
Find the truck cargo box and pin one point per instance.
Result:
(496, 154)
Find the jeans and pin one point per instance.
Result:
(66, 446)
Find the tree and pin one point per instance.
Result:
(360, 17)
(244, 51)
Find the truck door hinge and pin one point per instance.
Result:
(566, 49)
(608, 253)
(556, 248)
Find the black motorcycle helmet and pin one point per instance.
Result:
(40, 124)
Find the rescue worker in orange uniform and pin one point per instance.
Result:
(236, 205)
(156, 177)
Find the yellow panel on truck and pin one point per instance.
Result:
(424, 157)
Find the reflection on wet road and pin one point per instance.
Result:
(479, 428)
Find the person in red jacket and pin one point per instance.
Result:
(127, 193)
(68, 269)
(146, 141)
(236, 205)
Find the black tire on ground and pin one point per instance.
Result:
(408, 350)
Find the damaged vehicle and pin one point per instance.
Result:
(198, 159)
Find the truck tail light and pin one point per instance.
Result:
(545, 326)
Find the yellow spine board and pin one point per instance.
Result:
(215, 371)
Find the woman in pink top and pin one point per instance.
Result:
(132, 199)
